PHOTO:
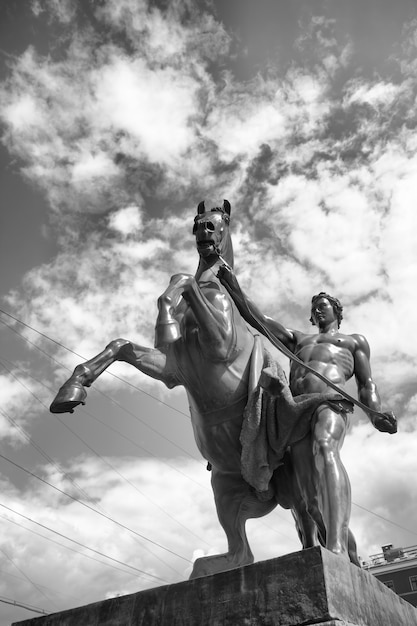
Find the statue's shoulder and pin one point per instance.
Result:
(361, 343)
(303, 339)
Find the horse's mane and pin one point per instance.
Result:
(227, 249)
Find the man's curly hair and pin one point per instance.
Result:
(337, 307)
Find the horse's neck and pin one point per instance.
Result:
(207, 273)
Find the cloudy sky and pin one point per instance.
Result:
(117, 118)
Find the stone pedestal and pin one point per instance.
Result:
(304, 588)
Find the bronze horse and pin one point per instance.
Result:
(203, 343)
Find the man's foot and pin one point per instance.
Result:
(71, 394)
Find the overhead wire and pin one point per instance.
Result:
(104, 461)
(385, 519)
(109, 427)
(129, 482)
(90, 447)
(100, 509)
(22, 605)
(114, 402)
(84, 504)
(75, 434)
(79, 543)
(33, 443)
(97, 389)
(99, 456)
(62, 545)
(140, 447)
(61, 345)
(123, 408)
(35, 585)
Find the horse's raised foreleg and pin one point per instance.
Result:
(236, 503)
(213, 318)
(148, 360)
(167, 328)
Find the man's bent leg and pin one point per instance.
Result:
(329, 428)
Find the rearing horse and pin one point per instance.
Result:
(203, 343)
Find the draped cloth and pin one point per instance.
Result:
(273, 419)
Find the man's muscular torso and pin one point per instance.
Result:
(330, 354)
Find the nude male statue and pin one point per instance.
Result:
(320, 474)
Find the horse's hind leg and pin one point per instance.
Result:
(235, 503)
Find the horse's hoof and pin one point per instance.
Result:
(68, 397)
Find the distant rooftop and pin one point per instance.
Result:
(390, 555)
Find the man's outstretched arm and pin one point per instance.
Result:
(367, 389)
(251, 313)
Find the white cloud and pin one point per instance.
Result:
(92, 166)
(181, 34)
(375, 95)
(82, 124)
(245, 122)
(22, 114)
(322, 192)
(126, 221)
(62, 10)
(152, 105)
(307, 87)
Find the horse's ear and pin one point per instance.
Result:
(201, 208)
(226, 206)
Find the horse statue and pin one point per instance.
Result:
(203, 344)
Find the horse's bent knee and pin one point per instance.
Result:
(83, 372)
(180, 277)
(116, 345)
(164, 301)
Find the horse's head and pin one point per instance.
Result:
(211, 230)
